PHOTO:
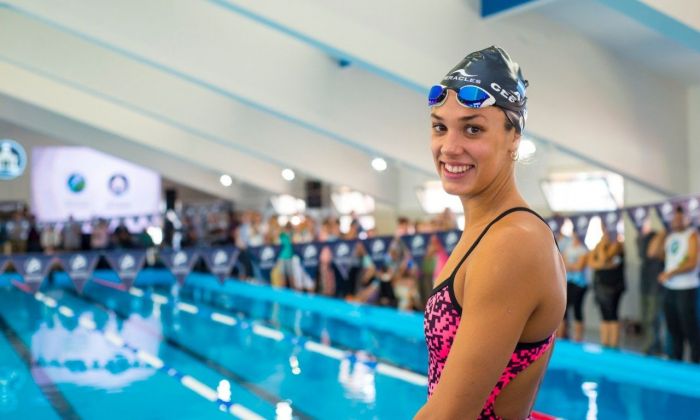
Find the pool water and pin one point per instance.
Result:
(207, 350)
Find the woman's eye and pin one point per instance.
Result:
(439, 128)
(471, 130)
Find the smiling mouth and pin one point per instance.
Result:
(455, 170)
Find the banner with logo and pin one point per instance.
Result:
(264, 258)
(378, 248)
(665, 212)
(417, 245)
(33, 268)
(555, 223)
(344, 256)
(79, 267)
(610, 220)
(3, 263)
(581, 223)
(180, 263)
(309, 254)
(638, 215)
(449, 239)
(220, 260)
(127, 264)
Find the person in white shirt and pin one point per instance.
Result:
(681, 282)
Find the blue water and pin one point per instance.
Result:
(286, 354)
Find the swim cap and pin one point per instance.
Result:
(492, 70)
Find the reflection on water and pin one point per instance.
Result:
(81, 356)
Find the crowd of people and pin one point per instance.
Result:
(669, 281)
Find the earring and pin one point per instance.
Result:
(514, 155)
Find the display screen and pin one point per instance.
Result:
(86, 184)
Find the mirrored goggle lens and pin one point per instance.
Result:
(437, 95)
(475, 97)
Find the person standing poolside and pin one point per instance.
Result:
(491, 320)
(680, 279)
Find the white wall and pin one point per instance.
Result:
(694, 139)
(686, 11)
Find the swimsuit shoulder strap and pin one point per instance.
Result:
(486, 229)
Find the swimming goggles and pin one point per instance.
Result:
(470, 96)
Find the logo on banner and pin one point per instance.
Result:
(78, 263)
(310, 252)
(126, 263)
(639, 214)
(118, 184)
(13, 159)
(76, 182)
(611, 220)
(267, 257)
(666, 210)
(451, 240)
(417, 242)
(378, 246)
(342, 250)
(553, 225)
(32, 266)
(179, 259)
(693, 205)
(220, 258)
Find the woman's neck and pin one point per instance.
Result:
(501, 195)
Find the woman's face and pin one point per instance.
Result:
(471, 147)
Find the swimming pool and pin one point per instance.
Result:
(256, 352)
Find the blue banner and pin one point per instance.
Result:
(79, 267)
(309, 254)
(581, 223)
(180, 263)
(220, 261)
(378, 248)
(449, 239)
(344, 256)
(33, 268)
(264, 258)
(127, 264)
(3, 263)
(610, 220)
(665, 212)
(417, 245)
(555, 223)
(638, 215)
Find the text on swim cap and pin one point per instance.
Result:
(512, 97)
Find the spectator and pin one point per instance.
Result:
(650, 245)
(72, 235)
(50, 239)
(99, 239)
(33, 236)
(607, 259)
(575, 258)
(17, 231)
(680, 280)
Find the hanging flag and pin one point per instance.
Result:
(220, 260)
(581, 223)
(555, 223)
(610, 220)
(33, 268)
(378, 248)
(417, 244)
(79, 267)
(127, 264)
(180, 263)
(264, 258)
(665, 212)
(344, 256)
(639, 216)
(4, 261)
(309, 254)
(449, 239)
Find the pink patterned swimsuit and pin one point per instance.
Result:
(442, 316)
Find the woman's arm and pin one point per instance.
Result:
(498, 299)
(656, 246)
